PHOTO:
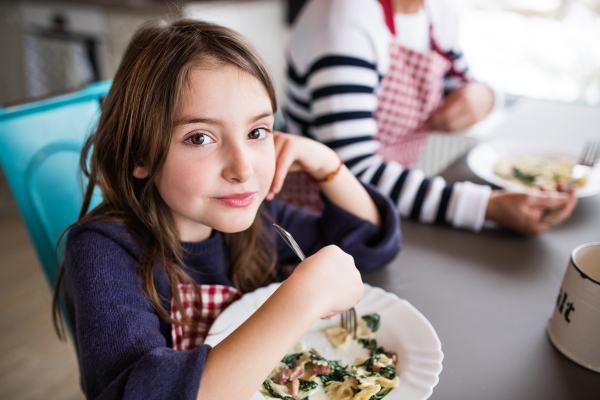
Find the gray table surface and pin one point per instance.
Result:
(489, 295)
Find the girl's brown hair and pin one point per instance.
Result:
(135, 128)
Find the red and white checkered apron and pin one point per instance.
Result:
(215, 299)
(410, 91)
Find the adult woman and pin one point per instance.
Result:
(371, 78)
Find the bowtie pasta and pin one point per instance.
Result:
(300, 375)
(538, 172)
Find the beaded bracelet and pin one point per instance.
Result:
(329, 177)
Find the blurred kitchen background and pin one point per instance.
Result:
(543, 49)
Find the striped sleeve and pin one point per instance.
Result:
(459, 73)
(334, 102)
(446, 39)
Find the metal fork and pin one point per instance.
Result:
(349, 316)
(587, 160)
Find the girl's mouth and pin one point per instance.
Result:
(237, 199)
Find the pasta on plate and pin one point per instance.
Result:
(302, 374)
(538, 172)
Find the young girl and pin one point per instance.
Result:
(184, 155)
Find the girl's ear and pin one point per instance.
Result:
(140, 171)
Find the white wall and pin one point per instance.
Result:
(260, 21)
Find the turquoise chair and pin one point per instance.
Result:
(40, 144)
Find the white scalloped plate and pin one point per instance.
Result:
(482, 158)
(403, 329)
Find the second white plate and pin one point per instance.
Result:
(482, 158)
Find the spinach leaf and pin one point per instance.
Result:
(371, 345)
(273, 393)
(369, 363)
(307, 385)
(326, 380)
(523, 177)
(334, 377)
(380, 396)
(314, 357)
(373, 321)
(338, 372)
(290, 359)
(389, 370)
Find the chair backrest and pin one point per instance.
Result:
(40, 144)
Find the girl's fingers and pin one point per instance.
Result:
(278, 139)
(285, 159)
(332, 315)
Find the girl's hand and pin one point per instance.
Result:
(330, 281)
(531, 213)
(295, 153)
(462, 108)
(321, 285)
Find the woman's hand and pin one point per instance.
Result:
(296, 153)
(462, 108)
(531, 213)
(330, 280)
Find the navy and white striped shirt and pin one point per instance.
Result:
(339, 53)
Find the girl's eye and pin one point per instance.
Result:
(200, 139)
(259, 133)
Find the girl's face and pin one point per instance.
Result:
(221, 161)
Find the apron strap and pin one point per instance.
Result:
(388, 13)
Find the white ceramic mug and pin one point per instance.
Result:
(574, 328)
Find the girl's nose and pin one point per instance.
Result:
(238, 168)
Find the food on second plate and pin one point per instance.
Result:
(538, 172)
(300, 375)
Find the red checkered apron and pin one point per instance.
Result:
(410, 91)
(215, 299)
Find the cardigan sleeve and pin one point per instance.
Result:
(372, 247)
(121, 352)
(333, 76)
